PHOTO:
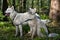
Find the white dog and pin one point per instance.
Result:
(21, 18)
(29, 17)
(36, 27)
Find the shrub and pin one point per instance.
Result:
(1, 16)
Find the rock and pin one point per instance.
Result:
(53, 35)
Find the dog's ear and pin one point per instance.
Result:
(8, 6)
(35, 9)
(12, 7)
(29, 8)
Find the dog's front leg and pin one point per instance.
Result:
(20, 28)
(16, 31)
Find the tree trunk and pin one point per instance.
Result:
(24, 5)
(5, 5)
(55, 11)
(1, 4)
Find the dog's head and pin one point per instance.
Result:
(32, 11)
(9, 10)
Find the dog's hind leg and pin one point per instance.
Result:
(16, 31)
(39, 33)
(20, 28)
(33, 32)
(30, 29)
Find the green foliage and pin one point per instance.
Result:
(1, 15)
(44, 16)
(10, 2)
(7, 32)
(42, 30)
(1, 4)
(26, 28)
(21, 5)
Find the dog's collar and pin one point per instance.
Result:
(31, 19)
(14, 17)
(26, 21)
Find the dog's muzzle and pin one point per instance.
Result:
(7, 14)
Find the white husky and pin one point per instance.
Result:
(38, 27)
(21, 18)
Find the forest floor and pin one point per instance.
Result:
(7, 32)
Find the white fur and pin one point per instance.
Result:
(40, 25)
(45, 21)
(36, 25)
(20, 18)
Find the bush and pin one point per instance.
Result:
(1, 16)
(44, 16)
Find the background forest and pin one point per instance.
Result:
(7, 29)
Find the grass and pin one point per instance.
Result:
(7, 32)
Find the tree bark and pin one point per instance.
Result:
(55, 11)
(1, 4)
